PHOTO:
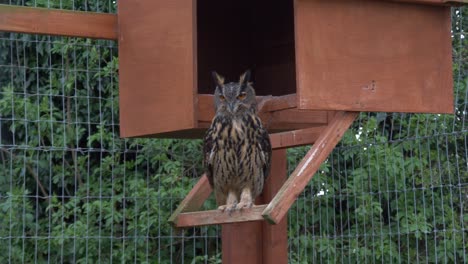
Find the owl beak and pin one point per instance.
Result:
(231, 107)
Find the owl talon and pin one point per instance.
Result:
(243, 205)
(222, 208)
(232, 208)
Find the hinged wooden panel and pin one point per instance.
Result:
(157, 56)
(366, 55)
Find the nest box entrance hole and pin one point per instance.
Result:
(236, 35)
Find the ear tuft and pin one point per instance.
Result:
(245, 78)
(218, 79)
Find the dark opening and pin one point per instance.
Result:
(235, 35)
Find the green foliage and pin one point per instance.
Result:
(73, 191)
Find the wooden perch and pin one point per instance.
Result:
(309, 165)
(194, 200)
(215, 217)
(325, 139)
(202, 190)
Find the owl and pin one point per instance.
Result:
(237, 149)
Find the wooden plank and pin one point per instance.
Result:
(194, 200)
(265, 104)
(215, 217)
(277, 113)
(296, 138)
(346, 62)
(33, 20)
(309, 165)
(290, 119)
(157, 58)
(275, 237)
(435, 2)
(276, 103)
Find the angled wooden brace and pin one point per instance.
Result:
(325, 140)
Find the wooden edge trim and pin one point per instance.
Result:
(265, 104)
(215, 217)
(34, 20)
(296, 138)
(309, 165)
(194, 199)
(435, 2)
(276, 103)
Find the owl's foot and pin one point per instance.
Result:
(244, 205)
(231, 208)
(231, 203)
(227, 207)
(246, 200)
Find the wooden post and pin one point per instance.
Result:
(275, 237)
(259, 242)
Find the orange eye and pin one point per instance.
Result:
(241, 96)
(222, 98)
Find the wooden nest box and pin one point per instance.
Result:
(316, 64)
(308, 58)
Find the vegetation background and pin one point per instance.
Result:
(72, 191)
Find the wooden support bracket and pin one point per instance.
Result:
(194, 200)
(309, 165)
(325, 139)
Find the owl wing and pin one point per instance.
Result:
(265, 150)
(208, 149)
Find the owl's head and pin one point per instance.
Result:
(235, 98)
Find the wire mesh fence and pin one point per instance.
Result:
(72, 191)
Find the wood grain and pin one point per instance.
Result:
(215, 217)
(275, 237)
(296, 138)
(292, 119)
(157, 57)
(278, 113)
(206, 109)
(435, 2)
(33, 20)
(194, 199)
(368, 55)
(309, 165)
(276, 103)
